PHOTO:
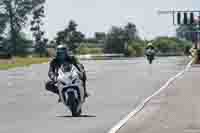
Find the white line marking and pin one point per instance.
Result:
(142, 105)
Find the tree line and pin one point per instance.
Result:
(17, 15)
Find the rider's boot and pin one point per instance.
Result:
(59, 99)
(85, 91)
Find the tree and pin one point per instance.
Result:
(23, 44)
(91, 40)
(15, 13)
(3, 20)
(22, 47)
(70, 36)
(38, 33)
(131, 31)
(115, 40)
(100, 37)
(117, 37)
(2, 28)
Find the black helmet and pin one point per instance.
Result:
(61, 52)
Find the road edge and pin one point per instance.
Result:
(142, 105)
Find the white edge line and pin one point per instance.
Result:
(141, 106)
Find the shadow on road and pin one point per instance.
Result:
(82, 116)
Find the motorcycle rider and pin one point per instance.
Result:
(62, 56)
(150, 51)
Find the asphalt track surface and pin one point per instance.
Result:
(116, 88)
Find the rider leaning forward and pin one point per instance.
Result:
(62, 56)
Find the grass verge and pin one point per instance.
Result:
(20, 62)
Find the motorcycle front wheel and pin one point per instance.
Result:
(73, 105)
(150, 59)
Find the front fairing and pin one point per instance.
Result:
(70, 79)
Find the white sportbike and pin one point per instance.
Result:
(70, 88)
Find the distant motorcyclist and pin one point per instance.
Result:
(63, 56)
(150, 52)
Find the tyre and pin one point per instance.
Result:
(150, 59)
(73, 105)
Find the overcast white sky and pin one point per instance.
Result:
(100, 15)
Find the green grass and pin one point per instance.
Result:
(21, 62)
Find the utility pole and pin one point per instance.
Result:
(186, 21)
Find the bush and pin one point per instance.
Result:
(86, 50)
(4, 54)
(172, 45)
(135, 48)
(92, 45)
(187, 49)
(139, 50)
(130, 52)
(95, 51)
